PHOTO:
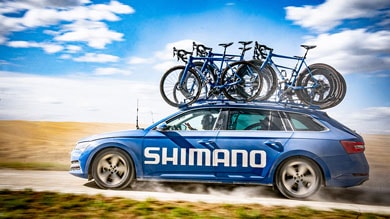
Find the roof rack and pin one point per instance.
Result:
(230, 102)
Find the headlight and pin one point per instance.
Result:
(81, 146)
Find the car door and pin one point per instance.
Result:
(246, 150)
(182, 147)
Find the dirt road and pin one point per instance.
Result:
(359, 199)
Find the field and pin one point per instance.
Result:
(47, 146)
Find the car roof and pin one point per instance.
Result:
(256, 104)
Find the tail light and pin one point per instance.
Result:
(353, 147)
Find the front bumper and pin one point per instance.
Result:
(77, 167)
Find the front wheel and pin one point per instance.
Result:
(298, 178)
(112, 168)
(176, 95)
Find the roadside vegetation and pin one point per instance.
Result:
(31, 204)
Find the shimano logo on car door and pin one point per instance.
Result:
(204, 157)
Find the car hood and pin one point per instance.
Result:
(117, 134)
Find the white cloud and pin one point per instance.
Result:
(167, 52)
(138, 60)
(372, 120)
(51, 48)
(84, 99)
(73, 48)
(47, 47)
(111, 71)
(364, 49)
(94, 57)
(332, 13)
(95, 34)
(163, 59)
(352, 51)
(77, 20)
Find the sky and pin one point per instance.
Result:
(93, 61)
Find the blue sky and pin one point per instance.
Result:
(81, 60)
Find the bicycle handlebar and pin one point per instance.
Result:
(260, 50)
(181, 54)
(201, 50)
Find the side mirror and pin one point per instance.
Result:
(162, 127)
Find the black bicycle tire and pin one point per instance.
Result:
(228, 92)
(210, 78)
(341, 86)
(269, 77)
(329, 74)
(172, 99)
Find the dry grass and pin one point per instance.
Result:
(46, 145)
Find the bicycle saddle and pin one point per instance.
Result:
(244, 43)
(309, 46)
(225, 44)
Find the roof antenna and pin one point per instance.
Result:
(136, 121)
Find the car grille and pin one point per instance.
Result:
(75, 165)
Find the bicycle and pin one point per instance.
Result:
(236, 80)
(208, 69)
(317, 85)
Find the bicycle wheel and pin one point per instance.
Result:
(321, 86)
(341, 86)
(208, 78)
(176, 95)
(270, 80)
(242, 81)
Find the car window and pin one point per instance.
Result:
(252, 119)
(201, 119)
(301, 122)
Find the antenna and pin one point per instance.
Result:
(136, 120)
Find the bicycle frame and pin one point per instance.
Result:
(210, 60)
(289, 82)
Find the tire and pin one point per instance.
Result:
(175, 96)
(327, 90)
(298, 178)
(270, 80)
(208, 78)
(112, 168)
(342, 89)
(245, 79)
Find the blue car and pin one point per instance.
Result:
(294, 149)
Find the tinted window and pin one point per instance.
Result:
(251, 119)
(202, 119)
(301, 122)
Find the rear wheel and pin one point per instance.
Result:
(321, 86)
(242, 80)
(342, 89)
(270, 80)
(298, 178)
(113, 169)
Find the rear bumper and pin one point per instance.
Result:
(348, 180)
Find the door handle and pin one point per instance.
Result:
(276, 145)
(210, 144)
